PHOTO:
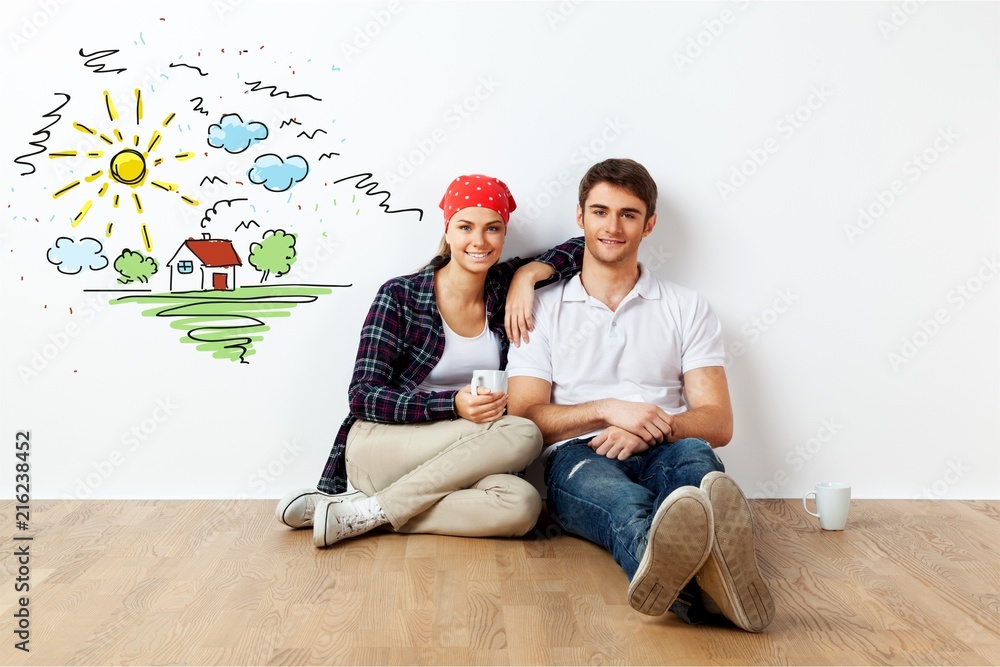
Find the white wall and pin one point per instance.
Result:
(815, 304)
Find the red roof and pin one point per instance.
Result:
(214, 252)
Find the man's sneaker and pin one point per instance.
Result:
(680, 539)
(296, 510)
(335, 521)
(730, 576)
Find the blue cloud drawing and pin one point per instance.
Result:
(278, 175)
(71, 257)
(234, 135)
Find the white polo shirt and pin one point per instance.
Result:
(639, 352)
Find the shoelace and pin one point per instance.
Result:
(356, 524)
(310, 511)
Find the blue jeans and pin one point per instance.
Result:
(612, 503)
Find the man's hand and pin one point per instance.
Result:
(645, 420)
(617, 443)
(482, 408)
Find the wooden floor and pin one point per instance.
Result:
(222, 583)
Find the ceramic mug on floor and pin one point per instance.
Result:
(493, 380)
(833, 502)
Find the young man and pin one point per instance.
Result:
(623, 375)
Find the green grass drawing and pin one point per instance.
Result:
(227, 323)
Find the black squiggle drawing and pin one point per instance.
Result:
(326, 155)
(369, 188)
(246, 225)
(213, 179)
(277, 93)
(290, 121)
(208, 217)
(43, 136)
(99, 67)
(197, 105)
(311, 136)
(196, 69)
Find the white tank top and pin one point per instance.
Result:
(461, 357)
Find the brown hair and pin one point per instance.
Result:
(622, 173)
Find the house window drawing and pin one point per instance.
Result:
(216, 260)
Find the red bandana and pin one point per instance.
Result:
(477, 190)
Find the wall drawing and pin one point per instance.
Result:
(183, 189)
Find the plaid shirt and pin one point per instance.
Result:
(402, 341)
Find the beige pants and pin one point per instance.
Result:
(448, 477)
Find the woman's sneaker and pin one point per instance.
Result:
(296, 509)
(335, 521)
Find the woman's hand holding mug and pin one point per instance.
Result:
(484, 399)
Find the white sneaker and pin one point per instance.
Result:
(296, 509)
(730, 577)
(680, 539)
(335, 521)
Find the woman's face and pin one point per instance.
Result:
(476, 235)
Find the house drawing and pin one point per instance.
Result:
(204, 264)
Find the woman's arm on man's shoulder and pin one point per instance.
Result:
(563, 261)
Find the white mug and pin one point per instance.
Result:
(833, 502)
(495, 381)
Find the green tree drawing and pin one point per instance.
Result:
(275, 252)
(135, 267)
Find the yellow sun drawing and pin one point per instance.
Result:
(129, 166)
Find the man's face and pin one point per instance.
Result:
(614, 223)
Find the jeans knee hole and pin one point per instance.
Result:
(576, 468)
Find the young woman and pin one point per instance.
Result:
(423, 452)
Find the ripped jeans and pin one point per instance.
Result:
(612, 502)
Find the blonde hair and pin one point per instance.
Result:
(442, 256)
(443, 247)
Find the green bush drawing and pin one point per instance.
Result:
(135, 267)
(275, 252)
